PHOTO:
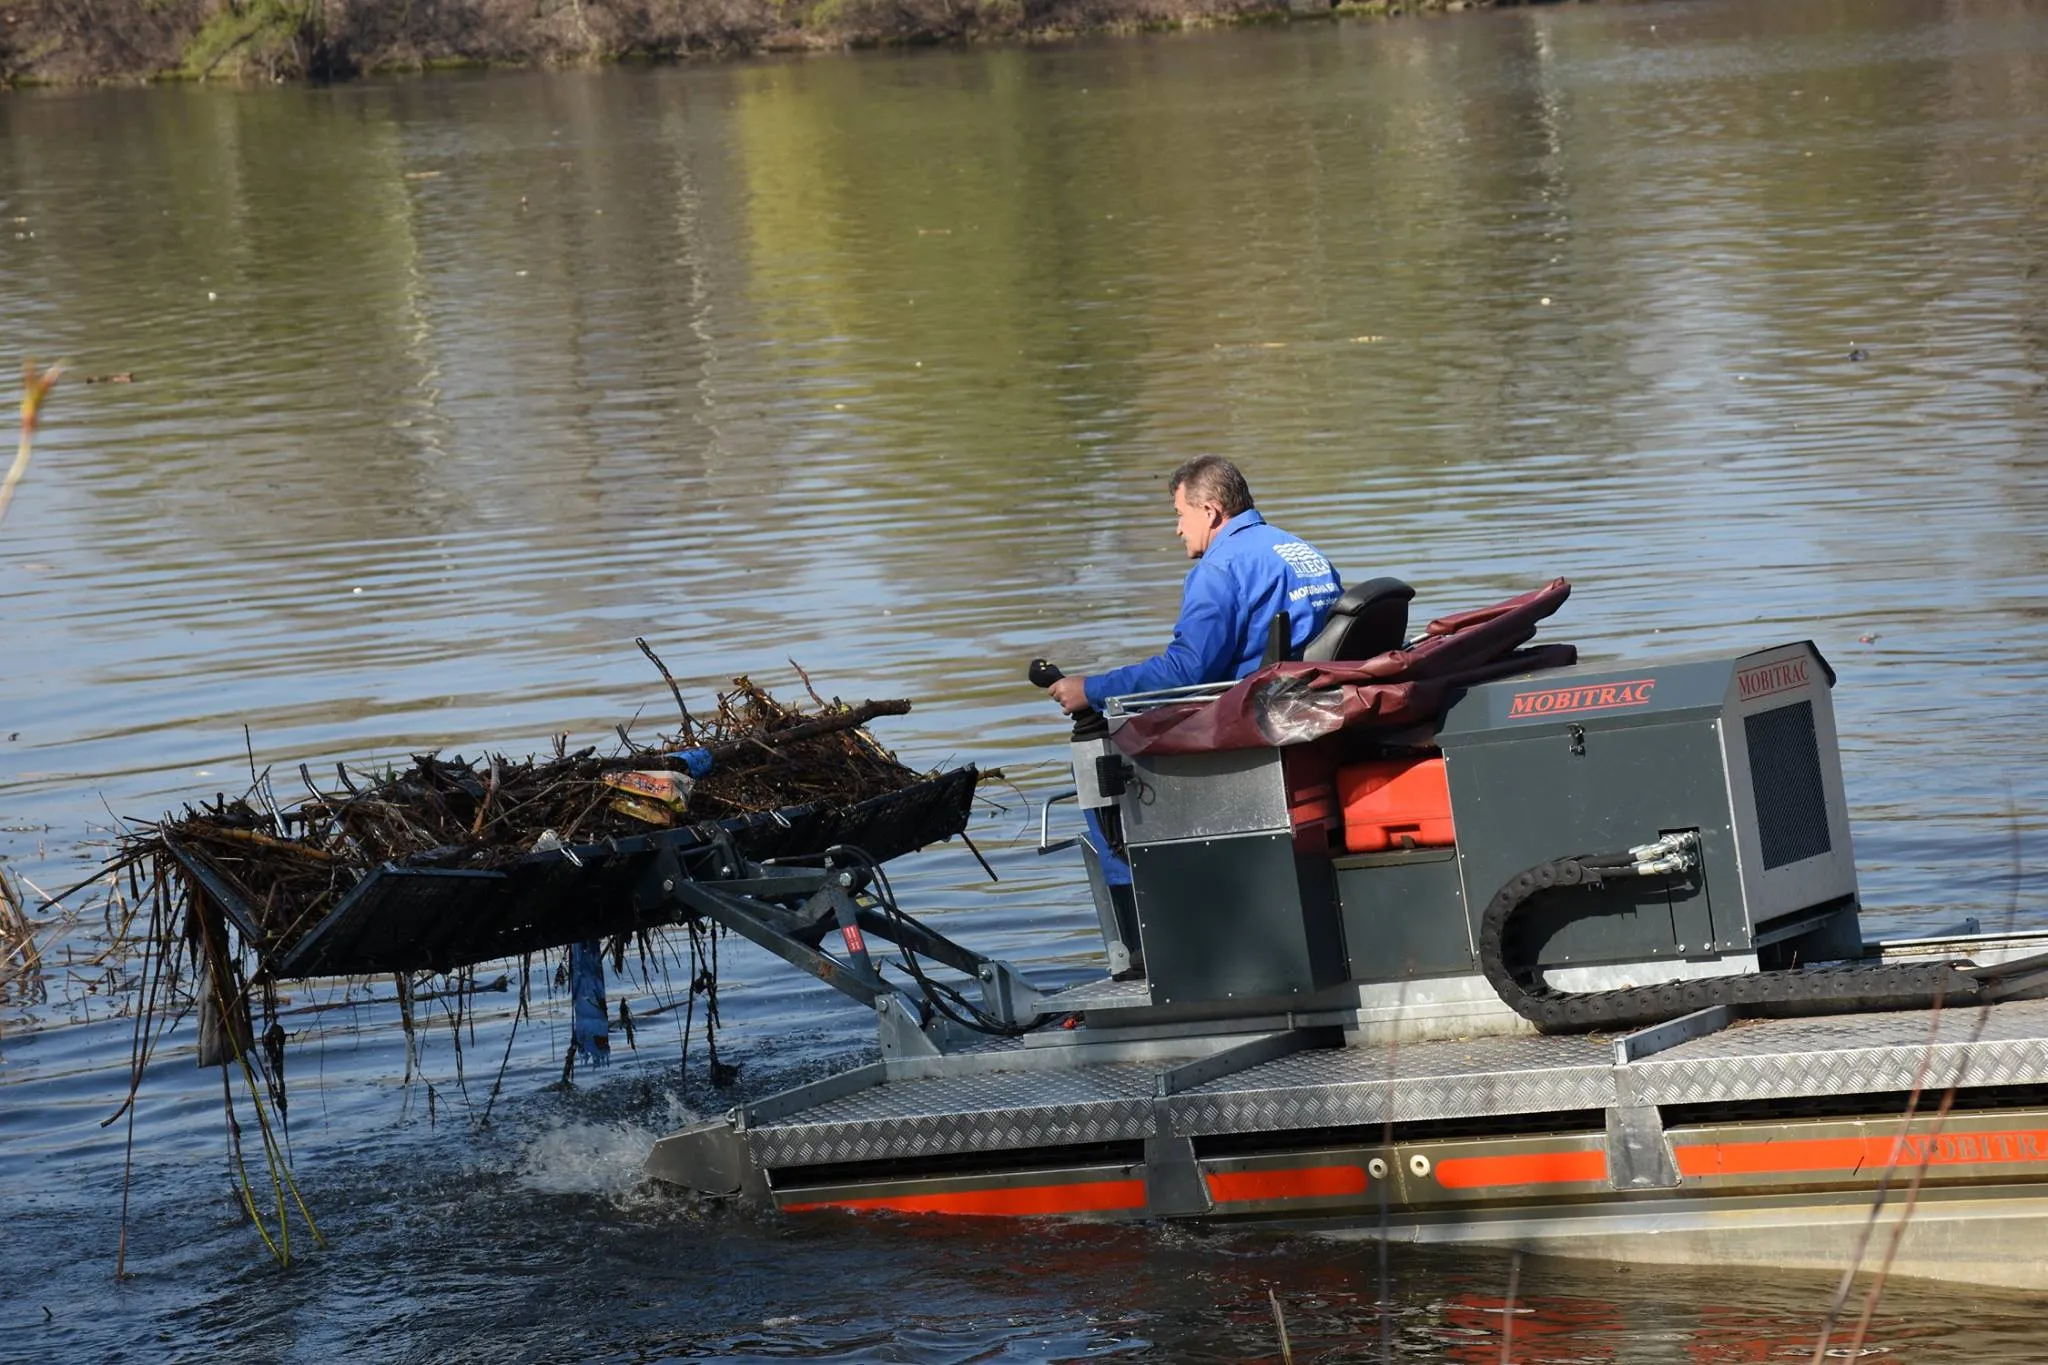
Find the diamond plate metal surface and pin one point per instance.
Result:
(983, 1111)
(1104, 994)
(1001, 1111)
(2021, 1020)
(1454, 1079)
(1847, 1054)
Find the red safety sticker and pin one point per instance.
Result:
(854, 943)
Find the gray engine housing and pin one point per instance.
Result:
(1595, 759)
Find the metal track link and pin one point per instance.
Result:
(1849, 989)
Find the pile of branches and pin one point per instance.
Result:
(293, 860)
(289, 860)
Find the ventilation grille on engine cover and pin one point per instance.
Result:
(1784, 773)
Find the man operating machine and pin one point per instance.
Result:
(1246, 574)
(1255, 594)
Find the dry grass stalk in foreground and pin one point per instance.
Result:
(1940, 1121)
(36, 385)
(1280, 1324)
(21, 963)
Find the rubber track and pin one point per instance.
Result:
(1813, 991)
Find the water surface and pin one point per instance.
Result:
(444, 390)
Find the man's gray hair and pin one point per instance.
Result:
(1211, 478)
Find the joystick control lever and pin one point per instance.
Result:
(1088, 722)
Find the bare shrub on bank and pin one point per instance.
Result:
(87, 40)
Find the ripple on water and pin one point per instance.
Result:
(876, 364)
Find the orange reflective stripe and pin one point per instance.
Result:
(1761, 1158)
(1019, 1201)
(1297, 1182)
(1536, 1168)
(1861, 1153)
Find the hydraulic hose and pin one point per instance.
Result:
(938, 996)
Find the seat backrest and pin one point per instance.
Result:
(1367, 620)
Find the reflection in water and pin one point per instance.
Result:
(447, 389)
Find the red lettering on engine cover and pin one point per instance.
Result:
(1768, 679)
(1558, 701)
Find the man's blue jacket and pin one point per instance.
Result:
(1250, 573)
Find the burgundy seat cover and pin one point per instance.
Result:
(1297, 701)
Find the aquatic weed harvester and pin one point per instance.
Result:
(1448, 939)
(1452, 940)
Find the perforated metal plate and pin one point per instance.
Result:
(1785, 774)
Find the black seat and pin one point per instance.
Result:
(1369, 619)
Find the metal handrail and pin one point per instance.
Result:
(1045, 843)
(1167, 696)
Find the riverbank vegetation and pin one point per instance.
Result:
(77, 41)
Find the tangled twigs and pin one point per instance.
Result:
(233, 886)
(289, 867)
(667, 677)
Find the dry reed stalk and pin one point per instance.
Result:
(1507, 1312)
(1840, 1298)
(1891, 1250)
(20, 960)
(36, 385)
(1940, 1121)
(1948, 1100)
(1280, 1324)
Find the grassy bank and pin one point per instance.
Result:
(74, 41)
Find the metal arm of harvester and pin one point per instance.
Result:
(789, 910)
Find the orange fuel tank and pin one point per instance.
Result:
(1395, 803)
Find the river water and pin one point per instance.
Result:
(443, 390)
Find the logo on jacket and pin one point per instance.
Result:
(1557, 701)
(1301, 558)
